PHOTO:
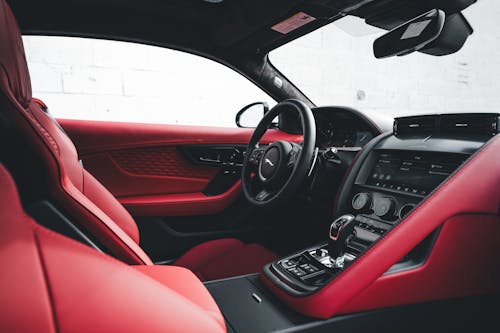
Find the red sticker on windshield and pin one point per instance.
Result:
(293, 22)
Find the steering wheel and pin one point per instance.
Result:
(272, 173)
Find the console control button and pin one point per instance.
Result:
(288, 264)
(296, 271)
(385, 207)
(405, 210)
(309, 268)
(362, 201)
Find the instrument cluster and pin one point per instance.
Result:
(340, 129)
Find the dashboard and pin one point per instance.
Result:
(342, 128)
(392, 175)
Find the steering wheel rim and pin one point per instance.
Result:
(302, 158)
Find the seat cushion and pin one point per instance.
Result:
(223, 258)
(51, 283)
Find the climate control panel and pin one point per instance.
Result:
(381, 206)
(375, 214)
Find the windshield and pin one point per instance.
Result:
(333, 67)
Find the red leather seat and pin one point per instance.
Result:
(51, 283)
(82, 197)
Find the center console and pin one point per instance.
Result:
(389, 179)
(389, 185)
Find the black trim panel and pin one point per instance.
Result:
(244, 313)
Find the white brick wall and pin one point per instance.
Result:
(331, 67)
(108, 80)
(93, 79)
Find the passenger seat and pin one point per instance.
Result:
(51, 283)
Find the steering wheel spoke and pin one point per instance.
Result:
(293, 156)
(256, 156)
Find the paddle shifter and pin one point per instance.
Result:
(340, 230)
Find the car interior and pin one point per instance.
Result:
(317, 219)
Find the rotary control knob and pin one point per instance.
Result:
(385, 207)
(362, 202)
(405, 210)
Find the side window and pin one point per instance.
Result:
(90, 79)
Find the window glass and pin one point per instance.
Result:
(335, 65)
(80, 78)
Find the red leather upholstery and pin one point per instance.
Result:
(454, 268)
(14, 71)
(225, 257)
(142, 166)
(181, 204)
(129, 135)
(463, 262)
(98, 194)
(85, 199)
(108, 221)
(23, 287)
(53, 284)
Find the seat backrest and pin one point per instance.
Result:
(51, 283)
(81, 196)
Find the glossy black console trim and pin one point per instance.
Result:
(243, 313)
(468, 314)
(291, 285)
(249, 307)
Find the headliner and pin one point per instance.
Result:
(222, 30)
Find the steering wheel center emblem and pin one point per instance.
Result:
(268, 161)
(269, 164)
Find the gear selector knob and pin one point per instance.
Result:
(340, 230)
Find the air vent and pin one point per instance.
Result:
(476, 125)
(416, 125)
(482, 124)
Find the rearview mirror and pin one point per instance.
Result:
(410, 36)
(251, 114)
(433, 33)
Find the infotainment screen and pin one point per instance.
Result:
(412, 172)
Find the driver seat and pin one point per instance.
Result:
(82, 197)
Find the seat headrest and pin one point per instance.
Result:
(15, 80)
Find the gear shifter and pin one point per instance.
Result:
(340, 230)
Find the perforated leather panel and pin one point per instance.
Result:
(160, 161)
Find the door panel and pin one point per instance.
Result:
(164, 170)
(181, 183)
(98, 136)
(148, 171)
